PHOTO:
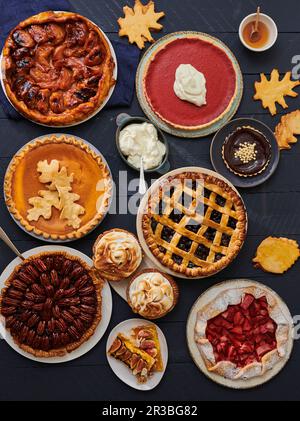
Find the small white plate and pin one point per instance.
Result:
(121, 370)
(101, 328)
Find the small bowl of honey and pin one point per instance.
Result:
(265, 35)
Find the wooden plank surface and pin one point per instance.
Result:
(273, 209)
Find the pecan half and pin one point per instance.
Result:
(87, 291)
(86, 318)
(88, 309)
(57, 263)
(38, 306)
(10, 301)
(74, 310)
(40, 265)
(27, 304)
(25, 315)
(32, 272)
(51, 325)
(66, 267)
(56, 312)
(88, 300)
(81, 282)
(54, 278)
(61, 325)
(70, 292)
(7, 311)
(73, 332)
(67, 316)
(44, 278)
(49, 290)
(23, 333)
(59, 294)
(25, 277)
(19, 284)
(49, 263)
(30, 296)
(65, 283)
(30, 337)
(77, 272)
(41, 327)
(33, 320)
(38, 290)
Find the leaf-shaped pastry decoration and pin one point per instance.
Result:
(138, 21)
(51, 173)
(69, 209)
(58, 195)
(286, 130)
(276, 255)
(274, 90)
(42, 205)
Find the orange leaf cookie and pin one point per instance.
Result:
(274, 90)
(138, 21)
(286, 130)
(276, 255)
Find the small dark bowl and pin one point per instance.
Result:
(220, 166)
(124, 120)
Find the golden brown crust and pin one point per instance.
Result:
(218, 186)
(178, 126)
(8, 186)
(83, 110)
(110, 270)
(174, 288)
(98, 283)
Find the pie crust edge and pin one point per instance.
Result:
(269, 360)
(98, 283)
(217, 266)
(178, 126)
(81, 112)
(8, 183)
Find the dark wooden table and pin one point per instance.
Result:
(273, 210)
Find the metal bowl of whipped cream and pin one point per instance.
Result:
(139, 139)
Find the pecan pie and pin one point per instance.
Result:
(69, 190)
(51, 304)
(242, 333)
(58, 68)
(194, 224)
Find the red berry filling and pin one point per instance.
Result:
(243, 333)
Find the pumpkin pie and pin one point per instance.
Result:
(58, 188)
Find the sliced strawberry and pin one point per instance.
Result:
(247, 301)
(238, 319)
(237, 330)
(263, 302)
(263, 349)
(247, 325)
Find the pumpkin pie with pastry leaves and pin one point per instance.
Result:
(58, 188)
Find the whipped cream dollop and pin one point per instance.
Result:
(151, 294)
(190, 85)
(141, 140)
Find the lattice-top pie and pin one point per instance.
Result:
(194, 223)
(51, 304)
(58, 68)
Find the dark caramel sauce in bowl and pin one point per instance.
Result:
(262, 37)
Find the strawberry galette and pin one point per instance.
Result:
(243, 333)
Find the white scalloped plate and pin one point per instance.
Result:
(207, 297)
(86, 346)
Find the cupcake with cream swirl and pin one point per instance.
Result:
(152, 294)
(117, 254)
